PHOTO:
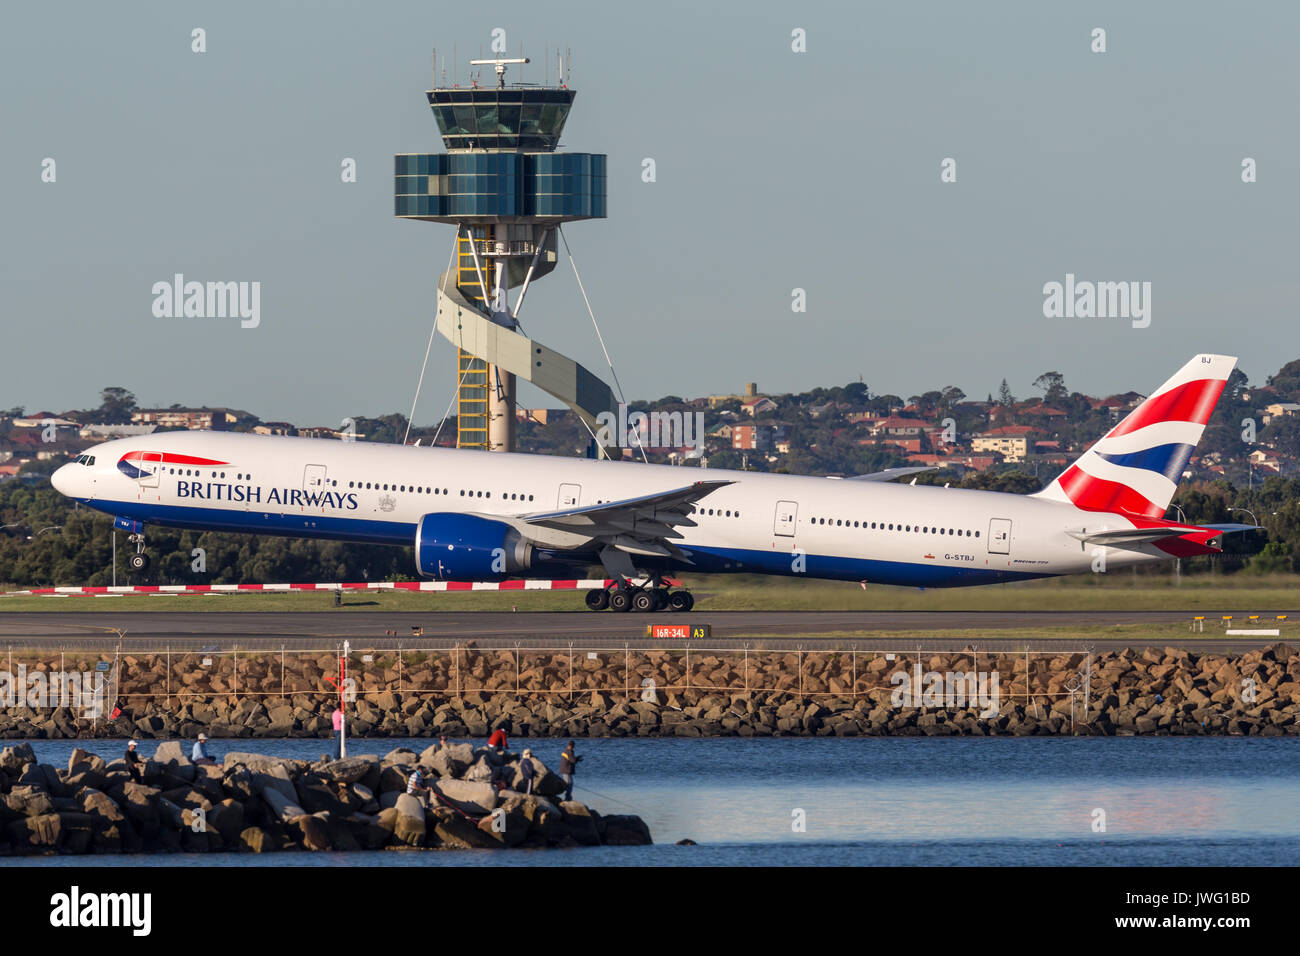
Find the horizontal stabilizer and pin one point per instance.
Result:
(1132, 536)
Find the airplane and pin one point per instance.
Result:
(478, 516)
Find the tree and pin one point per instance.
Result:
(115, 406)
(1005, 398)
(1287, 380)
(1052, 385)
(856, 392)
(952, 395)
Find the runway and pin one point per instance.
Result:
(816, 630)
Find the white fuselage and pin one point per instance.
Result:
(881, 532)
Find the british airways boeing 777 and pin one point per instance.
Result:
(475, 516)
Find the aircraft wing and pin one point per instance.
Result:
(645, 525)
(889, 474)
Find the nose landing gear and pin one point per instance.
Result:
(138, 561)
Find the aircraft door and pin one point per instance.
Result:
(1000, 536)
(313, 479)
(148, 465)
(787, 515)
(569, 495)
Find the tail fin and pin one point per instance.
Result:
(1134, 469)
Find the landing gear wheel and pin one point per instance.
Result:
(644, 601)
(620, 599)
(661, 598)
(681, 601)
(138, 561)
(597, 599)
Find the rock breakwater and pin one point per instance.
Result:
(253, 803)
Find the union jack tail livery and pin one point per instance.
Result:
(1134, 469)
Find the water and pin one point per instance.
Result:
(872, 801)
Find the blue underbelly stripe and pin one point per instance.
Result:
(707, 559)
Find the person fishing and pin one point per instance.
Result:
(568, 767)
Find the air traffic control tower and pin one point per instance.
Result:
(507, 191)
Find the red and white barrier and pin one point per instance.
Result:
(539, 585)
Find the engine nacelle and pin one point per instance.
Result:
(459, 547)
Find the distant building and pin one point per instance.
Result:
(42, 420)
(896, 426)
(115, 431)
(540, 416)
(971, 462)
(758, 437)
(206, 419)
(751, 391)
(1280, 410)
(1010, 441)
(758, 406)
(275, 428)
(321, 431)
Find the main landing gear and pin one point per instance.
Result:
(653, 597)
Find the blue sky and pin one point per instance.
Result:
(775, 171)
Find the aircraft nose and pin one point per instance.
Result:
(62, 480)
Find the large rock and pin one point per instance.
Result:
(427, 757)
(458, 833)
(139, 803)
(347, 770)
(77, 832)
(36, 833)
(452, 760)
(316, 797)
(227, 819)
(626, 830)
(29, 801)
(400, 755)
(173, 758)
(251, 761)
(393, 778)
(275, 777)
(171, 752)
(507, 827)
(313, 833)
(580, 823)
(255, 840)
(17, 757)
(468, 796)
(281, 806)
(99, 804)
(81, 760)
(545, 783)
(86, 776)
(409, 826)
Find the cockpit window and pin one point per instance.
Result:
(90, 459)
